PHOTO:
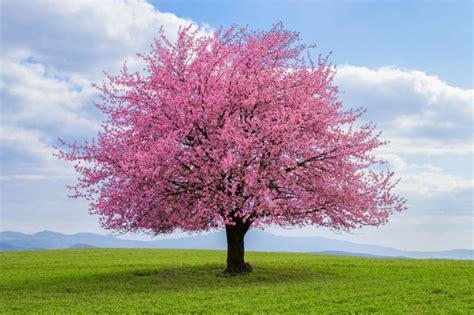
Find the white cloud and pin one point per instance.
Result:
(84, 36)
(421, 116)
(400, 83)
(29, 177)
(32, 142)
(425, 179)
(396, 162)
(51, 53)
(30, 156)
(429, 180)
(36, 95)
(420, 111)
(425, 145)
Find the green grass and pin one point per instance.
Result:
(170, 281)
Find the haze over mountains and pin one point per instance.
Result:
(255, 240)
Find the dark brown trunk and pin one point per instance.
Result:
(235, 249)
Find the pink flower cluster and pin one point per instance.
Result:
(239, 126)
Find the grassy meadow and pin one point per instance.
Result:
(172, 281)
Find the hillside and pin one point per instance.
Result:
(255, 240)
(170, 281)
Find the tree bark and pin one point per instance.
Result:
(235, 249)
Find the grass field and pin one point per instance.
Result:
(170, 281)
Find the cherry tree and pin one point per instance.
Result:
(233, 130)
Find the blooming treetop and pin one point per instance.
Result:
(236, 127)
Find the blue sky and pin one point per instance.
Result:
(408, 62)
(432, 36)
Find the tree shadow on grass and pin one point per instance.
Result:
(180, 279)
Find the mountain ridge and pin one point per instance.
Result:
(256, 240)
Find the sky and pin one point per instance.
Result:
(410, 63)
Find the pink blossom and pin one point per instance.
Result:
(237, 126)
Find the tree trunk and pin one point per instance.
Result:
(235, 249)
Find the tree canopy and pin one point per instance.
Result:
(236, 127)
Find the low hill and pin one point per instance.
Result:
(5, 247)
(79, 246)
(167, 281)
(256, 240)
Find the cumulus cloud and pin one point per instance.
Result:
(429, 179)
(37, 96)
(27, 155)
(52, 52)
(410, 104)
(84, 36)
(396, 162)
(425, 180)
(423, 118)
(29, 141)
(427, 145)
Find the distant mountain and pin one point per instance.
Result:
(339, 253)
(4, 247)
(79, 246)
(53, 240)
(255, 240)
